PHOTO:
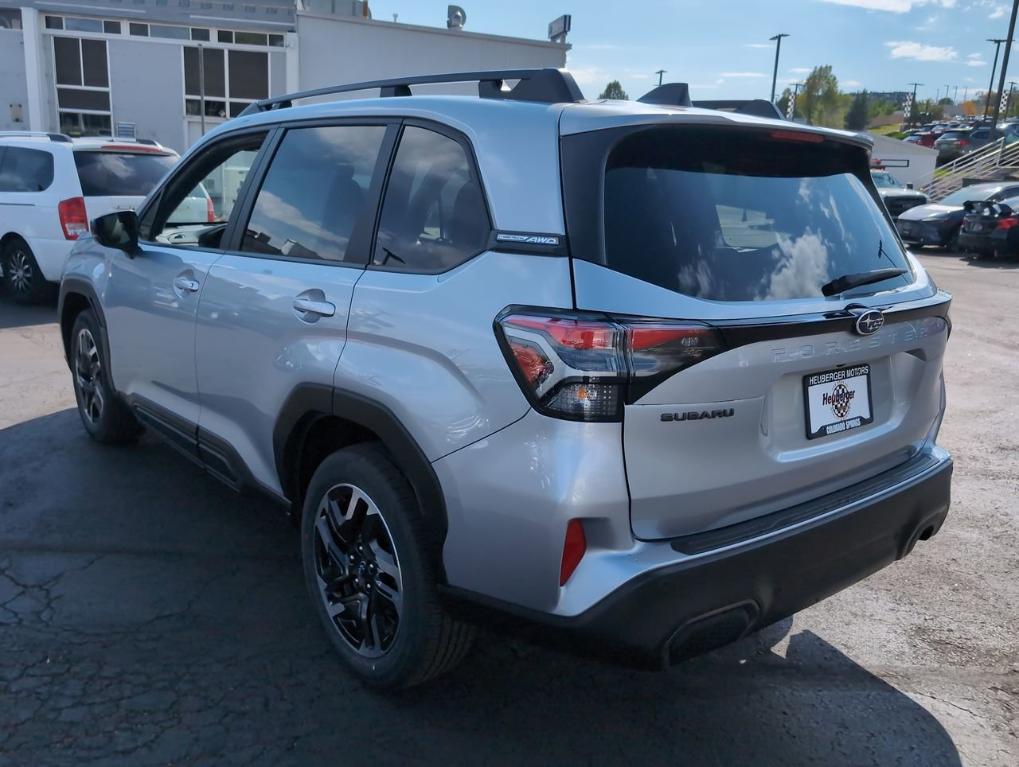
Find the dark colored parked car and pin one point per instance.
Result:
(896, 196)
(991, 229)
(955, 143)
(939, 223)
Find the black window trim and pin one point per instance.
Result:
(362, 238)
(152, 203)
(472, 163)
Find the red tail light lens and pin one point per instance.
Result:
(574, 548)
(73, 218)
(585, 368)
(1008, 223)
(210, 210)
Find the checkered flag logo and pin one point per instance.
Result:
(790, 111)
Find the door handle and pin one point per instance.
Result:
(187, 284)
(310, 306)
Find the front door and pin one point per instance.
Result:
(273, 314)
(153, 295)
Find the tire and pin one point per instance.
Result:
(952, 243)
(358, 498)
(105, 416)
(23, 281)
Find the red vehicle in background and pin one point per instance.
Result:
(923, 138)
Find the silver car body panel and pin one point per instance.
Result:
(423, 345)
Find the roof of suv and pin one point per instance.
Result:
(516, 141)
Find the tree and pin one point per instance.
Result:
(858, 114)
(614, 91)
(820, 97)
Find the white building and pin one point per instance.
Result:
(171, 69)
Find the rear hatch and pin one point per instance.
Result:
(748, 229)
(119, 176)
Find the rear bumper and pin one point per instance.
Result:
(975, 241)
(721, 595)
(924, 232)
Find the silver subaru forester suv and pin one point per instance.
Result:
(633, 377)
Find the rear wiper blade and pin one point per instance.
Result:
(850, 281)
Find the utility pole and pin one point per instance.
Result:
(778, 49)
(912, 104)
(660, 72)
(997, 49)
(1004, 66)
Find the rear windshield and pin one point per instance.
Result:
(971, 194)
(116, 174)
(954, 134)
(743, 217)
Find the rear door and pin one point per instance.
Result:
(746, 230)
(273, 315)
(119, 176)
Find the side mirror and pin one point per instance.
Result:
(117, 230)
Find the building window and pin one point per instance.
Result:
(173, 33)
(83, 86)
(199, 34)
(225, 36)
(111, 27)
(54, 22)
(83, 25)
(232, 80)
(10, 18)
(138, 30)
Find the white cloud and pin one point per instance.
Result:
(975, 60)
(742, 74)
(851, 83)
(759, 45)
(905, 49)
(892, 6)
(998, 12)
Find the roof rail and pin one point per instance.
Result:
(34, 134)
(755, 107)
(670, 94)
(549, 86)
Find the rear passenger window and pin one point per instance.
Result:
(434, 216)
(25, 170)
(315, 193)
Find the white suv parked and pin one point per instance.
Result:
(51, 185)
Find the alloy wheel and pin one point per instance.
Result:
(358, 570)
(20, 271)
(87, 369)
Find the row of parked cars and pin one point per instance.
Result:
(954, 139)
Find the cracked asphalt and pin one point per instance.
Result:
(149, 616)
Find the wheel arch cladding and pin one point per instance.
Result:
(75, 297)
(317, 420)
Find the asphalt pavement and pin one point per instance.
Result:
(149, 616)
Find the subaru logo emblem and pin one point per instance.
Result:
(869, 322)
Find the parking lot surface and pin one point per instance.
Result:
(149, 616)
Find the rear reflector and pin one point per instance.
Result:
(574, 548)
(73, 218)
(586, 368)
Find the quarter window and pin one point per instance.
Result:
(315, 193)
(434, 216)
(25, 170)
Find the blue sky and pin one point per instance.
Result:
(721, 47)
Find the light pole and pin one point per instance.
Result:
(660, 72)
(778, 49)
(997, 49)
(1004, 67)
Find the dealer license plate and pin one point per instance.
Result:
(837, 400)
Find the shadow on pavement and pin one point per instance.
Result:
(149, 615)
(14, 315)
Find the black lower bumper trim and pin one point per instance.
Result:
(708, 601)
